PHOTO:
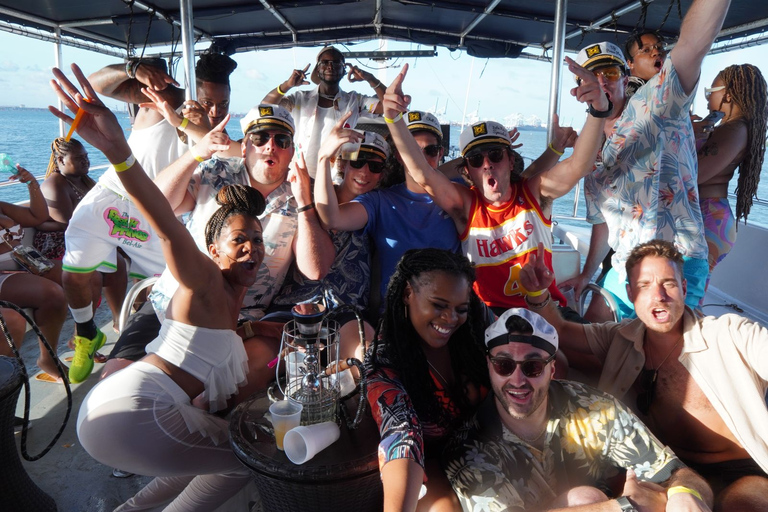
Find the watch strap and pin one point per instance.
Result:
(601, 113)
(625, 504)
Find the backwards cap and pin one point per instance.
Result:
(417, 120)
(486, 132)
(267, 116)
(544, 335)
(315, 76)
(601, 55)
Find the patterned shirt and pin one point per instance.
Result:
(589, 436)
(644, 185)
(279, 222)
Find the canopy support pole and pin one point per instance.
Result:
(188, 47)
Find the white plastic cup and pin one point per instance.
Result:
(304, 442)
(350, 150)
(286, 415)
(346, 381)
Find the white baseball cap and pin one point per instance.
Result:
(544, 335)
(485, 132)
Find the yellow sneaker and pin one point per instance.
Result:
(82, 363)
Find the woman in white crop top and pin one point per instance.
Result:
(141, 419)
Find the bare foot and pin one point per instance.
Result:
(50, 369)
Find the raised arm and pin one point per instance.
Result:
(298, 78)
(99, 126)
(563, 137)
(312, 246)
(192, 127)
(561, 178)
(113, 81)
(700, 26)
(344, 217)
(454, 199)
(37, 211)
(358, 75)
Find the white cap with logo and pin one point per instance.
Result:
(375, 144)
(599, 55)
(544, 335)
(485, 132)
(267, 116)
(417, 120)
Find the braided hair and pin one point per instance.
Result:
(61, 147)
(401, 344)
(747, 89)
(214, 68)
(233, 200)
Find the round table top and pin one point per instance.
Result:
(352, 456)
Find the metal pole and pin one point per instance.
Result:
(188, 47)
(558, 50)
(57, 55)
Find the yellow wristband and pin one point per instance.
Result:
(124, 166)
(393, 121)
(558, 153)
(681, 488)
(536, 294)
(183, 125)
(196, 157)
(281, 93)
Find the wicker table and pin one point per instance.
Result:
(344, 476)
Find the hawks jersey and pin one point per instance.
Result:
(500, 240)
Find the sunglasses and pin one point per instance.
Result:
(337, 63)
(476, 159)
(282, 140)
(709, 90)
(531, 368)
(432, 150)
(611, 74)
(646, 50)
(646, 381)
(374, 166)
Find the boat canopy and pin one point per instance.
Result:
(482, 28)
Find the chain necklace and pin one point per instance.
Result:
(531, 441)
(78, 192)
(650, 359)
(445, 381)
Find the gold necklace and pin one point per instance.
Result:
(533, 440)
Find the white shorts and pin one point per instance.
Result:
(104, 221)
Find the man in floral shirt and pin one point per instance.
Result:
(540, 444)
(644, 186)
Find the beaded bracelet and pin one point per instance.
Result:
(124, 166)
(539, 305)
(558, 153)
(682, 489)
(394, 120)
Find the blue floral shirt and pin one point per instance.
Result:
(644, 185)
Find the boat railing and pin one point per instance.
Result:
(41, 177)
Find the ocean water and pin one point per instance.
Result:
(26, 135)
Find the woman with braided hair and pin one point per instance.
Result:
(142, 419)
(739, 92)
(426, 373)
(66, 183)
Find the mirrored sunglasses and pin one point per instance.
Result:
(709, 90)
(374, 166)
(531, 368)
(432, 150)
(282, 140)
(476, 158)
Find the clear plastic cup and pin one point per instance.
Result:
(304, 442)
(286, 415)
(294, 363)
(350, 150)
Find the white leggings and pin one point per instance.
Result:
(132, 421)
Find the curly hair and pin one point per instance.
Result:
(401, 344)
(233, 200)
(61, 147)
(747, 88)
(214, 68)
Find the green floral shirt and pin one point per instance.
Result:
(590, 436)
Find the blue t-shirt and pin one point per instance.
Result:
(398, 220)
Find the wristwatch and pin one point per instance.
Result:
(625, 504)
(601, 113)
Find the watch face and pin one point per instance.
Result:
(625, 504)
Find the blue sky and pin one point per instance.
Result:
(500, 87)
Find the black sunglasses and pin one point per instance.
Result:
(532, 368)
(282, 140)
(646, 381)
(432, 150)
(373, 166)
(476, 159)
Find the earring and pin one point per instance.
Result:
(405, 307)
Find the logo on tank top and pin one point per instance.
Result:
(126, 227)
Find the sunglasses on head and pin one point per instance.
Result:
(531, 368)
(709, 90)
(374, 166)
(476, 158)
(432, 150)
(282, 140)
(611, 74)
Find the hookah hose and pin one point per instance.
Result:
(25, 376)
(355, 422)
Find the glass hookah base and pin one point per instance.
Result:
(318, 407)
